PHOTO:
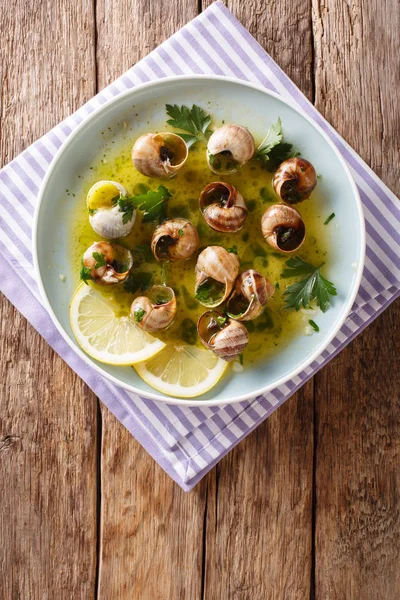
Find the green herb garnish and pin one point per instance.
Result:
(210, 290)
(151, 204)
(273, 150)
(92, 211)
(221, 321)
(193, 120)
(188, 331)
(232, 250)
(241, 359)
(100, 259)
(85, 273)
(313, 287)
(331, 216)
(137, 281)
(189, 300)
(313, 325)
(180, 232)
(138, 314)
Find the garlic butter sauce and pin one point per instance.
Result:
(277, 325)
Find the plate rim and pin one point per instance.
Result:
(157, 396)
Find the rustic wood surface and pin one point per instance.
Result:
(308, 505)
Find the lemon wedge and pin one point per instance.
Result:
(182, 371)
(106, 336)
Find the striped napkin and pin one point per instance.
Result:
(187, 442)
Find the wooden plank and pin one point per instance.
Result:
(48, 416)
(152, 532)
(357, 533)
(259, 506)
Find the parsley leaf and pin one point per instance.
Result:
(180, 232)
(313, 325)
(313, 287)
(136, 281)
(329, 219)
(85, 273)
(193, 120)
(151, 203)
(210, 291)
(138, 314)
(233, 250)
(100, 259)
(221, 321)
(273, 150)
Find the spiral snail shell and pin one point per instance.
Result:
(223, 207)
(159, 155)
(155, 311)
(294, 180)
(108, 263)
(226, 338)
(215, 274)
(173, 240)
(251, 293)
(283, 228)
(229, 148)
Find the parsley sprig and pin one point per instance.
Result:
(152, 204)
(85, 273)
(193, 120)
(313, 287)
(273, 150)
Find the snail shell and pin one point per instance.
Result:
(174, 240)
(229, 148)
(223, 207)
(156, 311)
(159, 155)
(218, 268)
(251, 293)
(118, 262)
(283, 228)
(294, 180)
(104, 215)
(226, 338)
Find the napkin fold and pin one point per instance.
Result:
(188, 442)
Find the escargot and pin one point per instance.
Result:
(223, 207)
(215, 273)
(105, 215)
(251, 293)
(225, 337)
(283, 228)
(155, 311)
(159, 155)
(229, 148)
(108, 263)
(294, 180)
(174, 240)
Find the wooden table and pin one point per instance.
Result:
(308, 505)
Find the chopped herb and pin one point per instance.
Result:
(92, 211)
(312, 287)
(314, 325)
(100, 259)
(138, 314)
(221, 321)
(241, 359)
(329, 219)
(232, 250)
(180, 232)
(85, 273)
(188, 331)
(264, 322)
(210, 290)
(277, 285)
(115, 200)
(189, 300)
(251, 205)
(152, 204)
(137, 281)
(193, 120)
(319, 177)
(142, 253)
(245, 236)
(273, 150)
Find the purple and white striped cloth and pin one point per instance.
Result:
(188, 442)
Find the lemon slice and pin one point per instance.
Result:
(182, 371)
(105, 336)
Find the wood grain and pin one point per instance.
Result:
(308, 505)
(152, 532)
(48, 416)
(357, 536)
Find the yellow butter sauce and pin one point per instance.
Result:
(272, 330)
